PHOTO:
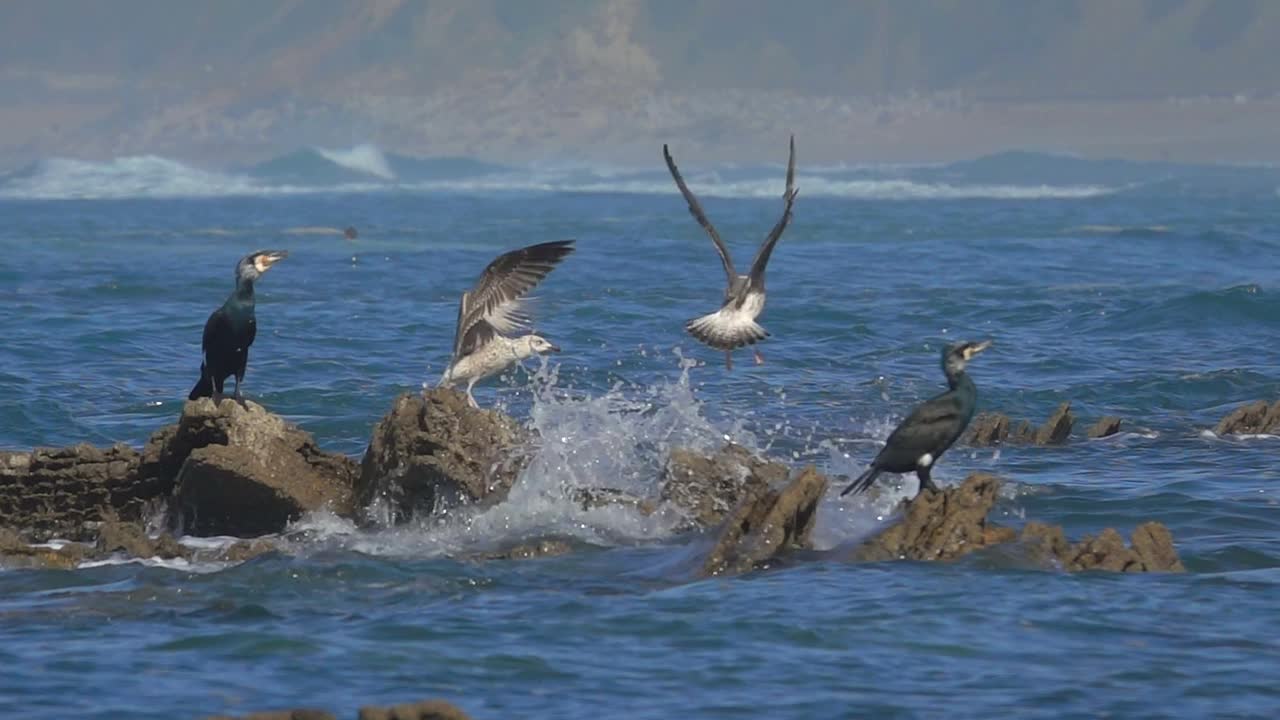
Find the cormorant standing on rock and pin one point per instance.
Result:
(932, 427)
(493, 307)
(231, 328)
(734, 324)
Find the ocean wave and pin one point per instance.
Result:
(366, 169)
(364, 158)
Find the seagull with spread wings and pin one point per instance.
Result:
(494, 308)
(734, 324)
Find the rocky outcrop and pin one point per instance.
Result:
(426, 710)
(707, 488)
(942, 525)
(952, 523)
(990, 429)
(1151, 549)
(433, 450)
(1106, 427)
(60, 492)
(245, 472)
(1255, 418)
(765, 522)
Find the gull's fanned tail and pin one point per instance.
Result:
(726, 330)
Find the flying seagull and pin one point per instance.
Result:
(734, 324)
(493, 308)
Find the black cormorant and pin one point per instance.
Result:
(231, 328)
(932, 427)
(734, 324)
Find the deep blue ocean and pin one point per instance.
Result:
(1147, 291)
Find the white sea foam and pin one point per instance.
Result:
(365, 158)
(149, 176)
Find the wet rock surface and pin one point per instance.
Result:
(707, 488)
(426, 710)
(952, 523)
(244, 471)
(765, 522)
(1255, 418)
(433, 450)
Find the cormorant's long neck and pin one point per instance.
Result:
(959, 380)
(243, 294)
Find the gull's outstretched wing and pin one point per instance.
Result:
(493, 304)
(788, 197)
(695, 209)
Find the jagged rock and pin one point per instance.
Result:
(433, 450)
(428, 710)
(1106, 427)
(1058, 428)
(60, 492)
(1255, 418)
(952, 523)
(243, 471)
(988, 429)
(706, 488)
(942, 525)
(766, 522)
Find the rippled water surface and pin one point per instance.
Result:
(1160, 307)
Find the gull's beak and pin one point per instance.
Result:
(554, 348)
(267, 258)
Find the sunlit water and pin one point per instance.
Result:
(1161, 308)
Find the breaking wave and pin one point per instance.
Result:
(367, 169)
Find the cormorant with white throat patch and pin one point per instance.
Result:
(230, 329)
(921, 439)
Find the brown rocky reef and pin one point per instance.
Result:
(996, 429)
(427, 710)
(772, 513)
(1255, 418)
(433, 450)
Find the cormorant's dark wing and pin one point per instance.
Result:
(495, 299)
(215, 328)
(695, 209)
(788, 197)
(928, 429)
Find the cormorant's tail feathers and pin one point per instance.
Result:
(204, 386)
(726, 330)
(863, 482)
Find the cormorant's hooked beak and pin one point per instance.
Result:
(974, 348)
(264, 260)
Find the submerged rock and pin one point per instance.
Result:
(706, 488)
(426, 710)
(1058, 428)
(988, 429)
(433, 450)
(60, 492)
(15, 552)
(1255, 418)
(130, 538)
(952, 523)
(244, 471)
(1106, 427)
(765, 522)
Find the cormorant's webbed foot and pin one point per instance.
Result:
(926, 482)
